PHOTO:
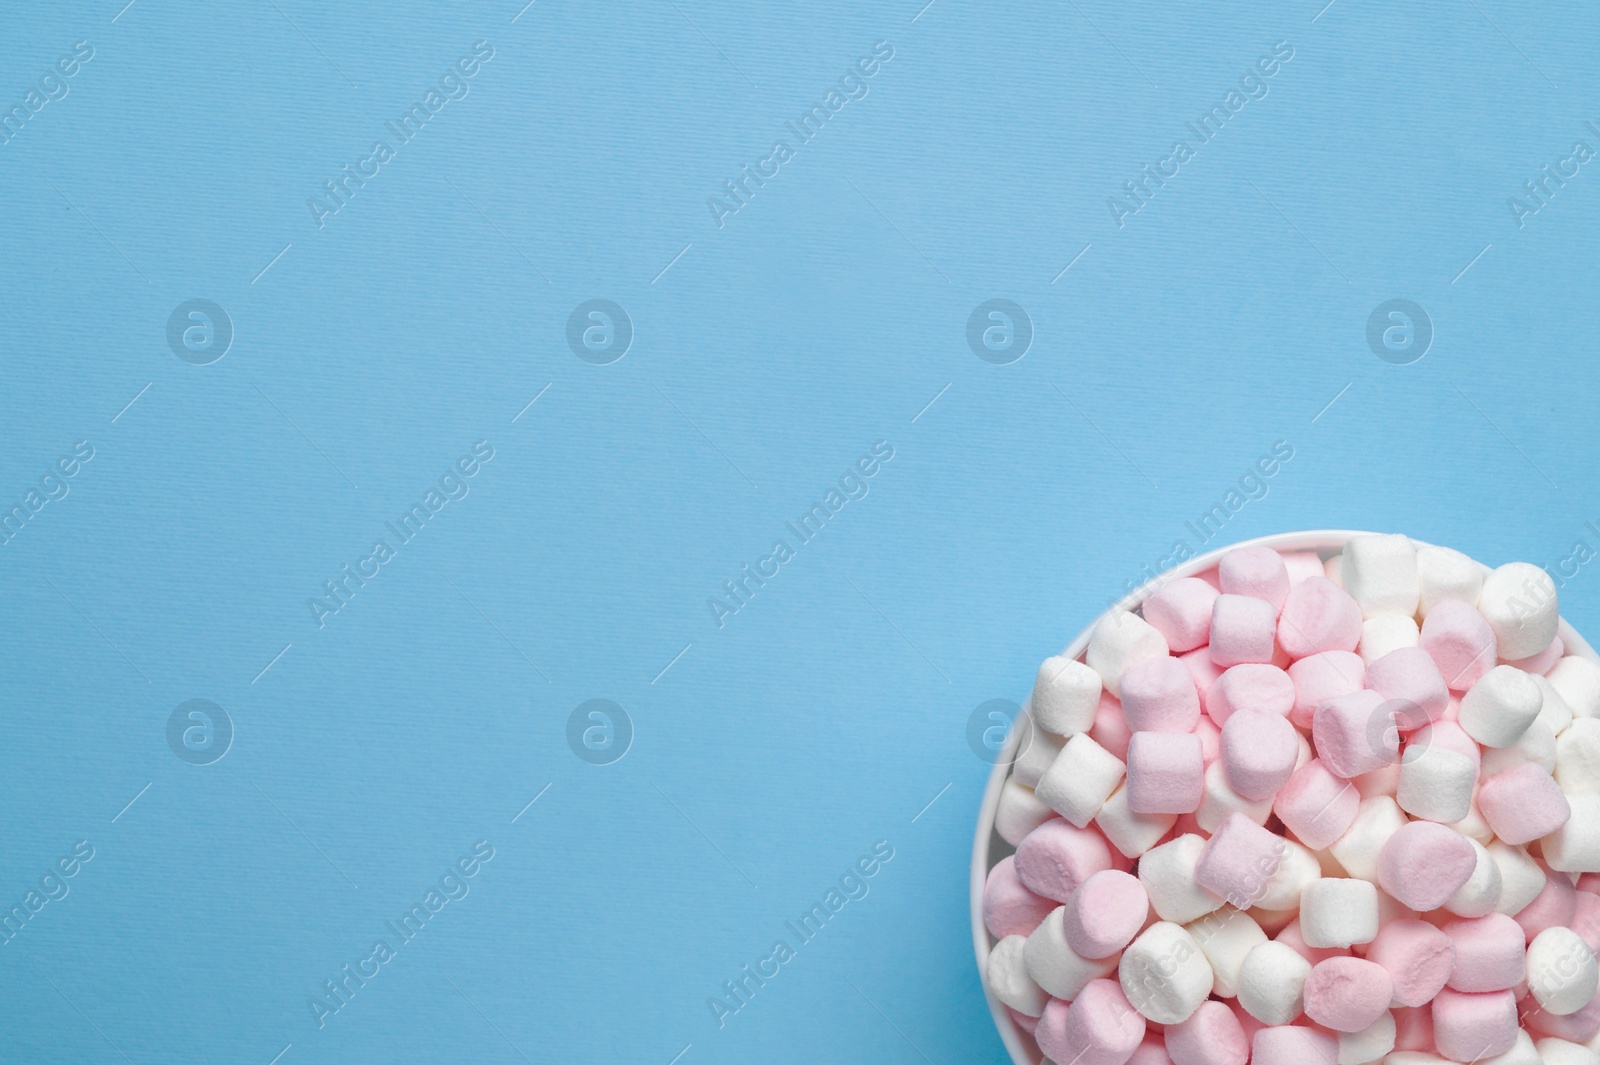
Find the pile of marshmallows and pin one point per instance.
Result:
(1310, 813)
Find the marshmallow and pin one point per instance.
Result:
(1164, 974)
(1316, 805)
(1444, 575)
(1242, 630)
(1098, 1028)
(1436, 782)
(1522, 1052)
(1119, 641)
(1413, 1030)
(1575, 846)
(1211, 1036)
(1489, 953)
(1537, 746)
(1039, 749)
(1519, 601)
(1065, 694)
(1239, 859)
(1297, 868)
(1226, 937)
(1292, 1044)
(1380, 573)
(1577, 680)
(1152, 1050)
(1470, 1027)
(1054, 965)
(1255, 571)
(1554, 712)
(1080, 780)
(1318, 617)
(1259, 750)
(1409, 677)
(1204, 671)
(1424, 863)
(1563, 1052)
(1019, 812)
(1361, 846)
(1418, 958)
(1369, 1044)
(1580, 1027)
(1578, 757)
(1009, 980)
(1331, 569)
(1460, 642)
(1322, 677)
(1347, 994)
(1160, 696)
(1129, 832)
(1111, 726)
(1022, 1020)
(1521, 879)
(1009, 909)
(1384, 780)
(1166, 769)
(1523, 804)
(1181, 612)
(1210, 739)
(1586, 919)
(1252, 685)
(1056, 857)
(1480, 895)
(1302, 565)
(1168, 875)
(1355, 733)
(1104, 914)
(1555, 905)
(1543, 661)
(1220, 800)
(1562, 974)
(1390, 632)
(1272, 981)
(1500, 706)
(1338, 913)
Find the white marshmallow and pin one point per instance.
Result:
(1167, 873)
(1554, 712)
(1054, 965)
(1333, 570)
(1388, 632)
(1338, 913)
(1036, 757)
(1446, 574)
(1521, 879)
(1019, 812)
(1536, 745)
(1066, 694)
(1164, 974)
(1226, 938)
(1129, 832)
(1218, 800)
(1577, 680)
(1377, 819)
(1519, 602)
(1380, 573)
(1436, 783)
(1297, 867)
(1562, 973)
(1369, 1044)
(1498, 709)
(1575, 846)
(1561, 1052)
(1578, 757)
(1522, 1052)
(1080, 780)
(1121, 641)
(1009, 979)
(1479, 896)
(1473, 826)
(1272, 983)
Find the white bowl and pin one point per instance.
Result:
(988, 848)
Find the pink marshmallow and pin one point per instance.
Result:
(1160, 696)
(1023, 1021)
(1166, 772)
(1291, 938)
(1347, 994)
(1555, 906)
(1523, 803)
(1211, 1036)
(1418, 958)
(1540, 663)
(1577, 1027)
(1053, 859)
(1293, 1044)
(1586, 919)
(1106, 912)
(1153, 1051)
(1210, 740)
(1242, 630)
(1259, 749)
(1255, 571)
(1181, 611)
(1204, 671)
(1471, 1027)
(1316, 805)
(1009, 909)
(1239, 859)
(1490, 953)
(1110, 728)
(1318, 616)
(1321, 677)
(1407, 676)
(1355, 734)
(1302, 566)
(1424, 863)
(1256, 685)
(1098, 1028)
(1460, 642)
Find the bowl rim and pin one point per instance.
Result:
(1018, 1043)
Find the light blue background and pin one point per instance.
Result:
(769, 356)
